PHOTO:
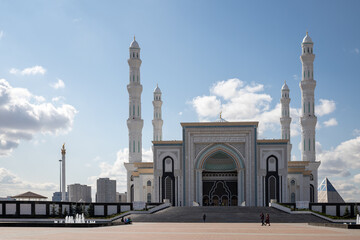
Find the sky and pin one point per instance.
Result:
(64, 71)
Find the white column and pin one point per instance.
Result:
(63, 180)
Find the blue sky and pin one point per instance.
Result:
(64, 64)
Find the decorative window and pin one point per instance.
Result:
(308, 73)
(311, 177)
(148, 183)
(138, 146)
(133, 78)
(149, 197)
(304, 145)
(309, 107)
(292, 182)
(137, 55)
(134, 146)
(308, 50)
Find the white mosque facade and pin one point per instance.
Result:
(222, 163)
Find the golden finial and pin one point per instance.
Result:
(63, 151)
(307, 33)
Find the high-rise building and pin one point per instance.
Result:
(105, 190)
(79, 193)
(57, 197)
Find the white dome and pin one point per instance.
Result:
(307, 38)
(134, 44)
(157, 89)
(285, 87)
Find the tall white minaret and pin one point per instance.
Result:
(63, 182)
(307, 85)
(134, 122)
(157, 121)
(285, 119)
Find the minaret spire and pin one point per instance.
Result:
(157, 121)
(285, 119)
(307, 85)
(134, 122)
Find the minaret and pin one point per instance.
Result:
(157, 121)
(307, 85)
(134, 122)
(63, 182)
(285, 119)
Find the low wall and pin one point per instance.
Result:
(332, 209)
(46, 209)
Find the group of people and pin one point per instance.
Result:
(265, 221)
(126, 220)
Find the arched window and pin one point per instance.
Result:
(132, 193)
(138, 146)
(134, 146)
(308, 73)
(272, 188)
(311, 50)
(311, 177)
(312, 195)
(308, 50)
(292, 197)
(149, 197)
(304, 145)
(133, 78)
(314, 144)
(309, 107)
(134, 110)
(148, 183)
(138, 110)
(137, 78)
(304, 107)
(137, 55)
(133, 54)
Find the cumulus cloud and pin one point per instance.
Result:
(356, 132)
(240, 101)
(325, 107)
(36, 70)
(11, 184)
(24, 114)
(59, 84)
(331, 122)
(339, 161)
(117, 170)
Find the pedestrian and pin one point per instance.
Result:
(262, 217)
(204, 217)
(267, 220)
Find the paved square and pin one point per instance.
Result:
(181, 231)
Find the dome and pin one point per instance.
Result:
(134, 44)
(307, 38)
(157, 89)
(285, 87)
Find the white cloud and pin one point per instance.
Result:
(116, 170)
(356, 50)
(356, 132)
(29, 71)
(24, 114)
(331, 122)
(1, 34)
(339, 161)
(240, 101)
(57, 99)
(325, 107)
(180, 113)
(59, 84)
(11, 184)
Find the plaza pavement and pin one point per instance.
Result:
(175, 231)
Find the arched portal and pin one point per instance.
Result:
(220, 177)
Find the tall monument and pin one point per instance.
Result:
(157, 122)
(134, 122)
(63, 180)
(285, 119)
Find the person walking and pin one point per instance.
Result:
(262, 217)
(267, 220)
(204, 217)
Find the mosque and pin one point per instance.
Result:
(223, 163)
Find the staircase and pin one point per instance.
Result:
(224, 214)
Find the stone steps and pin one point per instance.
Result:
(224, 214)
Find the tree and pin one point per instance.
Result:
(90, 211)
(65, 212)
(53, 210)
(346, 213)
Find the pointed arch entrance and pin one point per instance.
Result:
(220, 177)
